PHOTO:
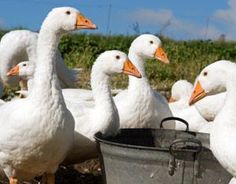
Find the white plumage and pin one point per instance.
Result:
(210, 106)
(100, 115)
(215, 78)
(140, 106)
(180, 93)
(37, 132)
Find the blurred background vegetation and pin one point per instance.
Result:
(187, 58)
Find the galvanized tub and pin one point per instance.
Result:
(159, 156)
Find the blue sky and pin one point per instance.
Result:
(178, 19)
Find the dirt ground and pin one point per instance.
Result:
(88, 172)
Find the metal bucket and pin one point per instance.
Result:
(159, 156)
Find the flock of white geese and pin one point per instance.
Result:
(53, 126)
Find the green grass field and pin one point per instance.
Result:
(187, 58)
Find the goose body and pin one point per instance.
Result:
(2, 102)
(100, 115)
(20, 45)
(37, 132)
(213, 79)
(140, 106)
(195, 120)
(210, 106)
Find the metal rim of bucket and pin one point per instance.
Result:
(98, 137)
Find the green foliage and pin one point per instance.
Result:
(187, 58)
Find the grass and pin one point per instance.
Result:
(187, 58)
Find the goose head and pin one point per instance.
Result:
(67, 19)
(212, 80)
(180, 90)
(116, 62)
(149, 46)
(24, 70)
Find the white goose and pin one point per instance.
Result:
(102, 115)
(37, 132)
(19, 45)
(180, 94)
(213, 79)
(207, 107)
(24, 70)
(140, 106)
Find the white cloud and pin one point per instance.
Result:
(226, 18)
(178, 28)
(151, 17)
(227, 15)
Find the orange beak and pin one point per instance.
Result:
(198, 94)
(171, 100)
(161, 55)
(84, 23)
(130, 69)
(14, 71)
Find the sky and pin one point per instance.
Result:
(177, 19)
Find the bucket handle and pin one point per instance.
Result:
(172, 163)
(185, 143)
(176, 119)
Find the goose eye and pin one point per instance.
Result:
(68, 12)
(24, 64)
(117, 57)
(151, 42)
(205, 74)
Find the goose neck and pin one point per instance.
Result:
(230, 92)
(230, 102)
(135, 82)
(105, 108)
(30, 84)
(45, 80)
(100, 84)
